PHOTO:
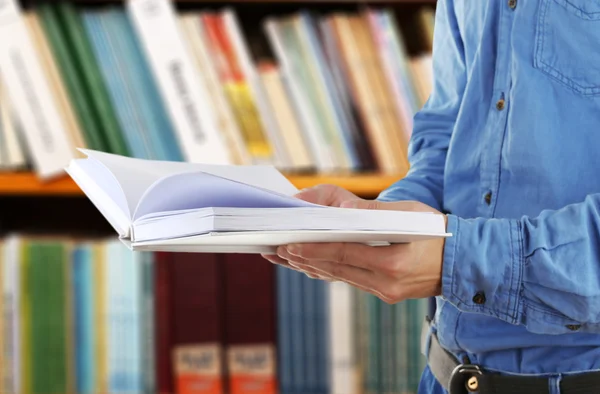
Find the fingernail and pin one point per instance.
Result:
(294, 249)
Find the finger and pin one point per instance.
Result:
(373, 258)
(343, 272)
(328, 195)
(407, 206)
(281, 262)
(308, 271)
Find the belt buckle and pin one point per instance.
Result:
(463, 379)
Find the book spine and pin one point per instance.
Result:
(10, 374)
(197, 35)
(197, 351)
(341, 332)
(12, 150)
(335, 122)
(284, 328)
(257, 90)
(285, 115)
(75, 34)
(108, 63)
(317, 143)
(151, 112)
(250, 324)
(30, 92)
(185, 96)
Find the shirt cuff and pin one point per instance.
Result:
(483, 267)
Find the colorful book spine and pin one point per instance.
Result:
(186, 98)
(292, 68)
(83, 296)
(31, 95)
(74, 32)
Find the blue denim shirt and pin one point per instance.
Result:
(508, 145)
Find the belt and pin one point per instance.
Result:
(459, 378)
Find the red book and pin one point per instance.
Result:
(250, 331)
(189, 323)
(162, 324)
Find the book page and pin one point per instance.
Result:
(136, 176)
(194, 190)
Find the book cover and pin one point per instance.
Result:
(163, 315)
(250, 324)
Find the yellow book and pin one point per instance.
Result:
(100, 311)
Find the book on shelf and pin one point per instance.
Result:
(159, 205)
(303, 91)
(87, 315)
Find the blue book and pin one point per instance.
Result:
(297, 332)
(83, 308)
(323, 344)
(115, 83)
(284, 331)
(340, 116)
(150, 108)
(309, 319)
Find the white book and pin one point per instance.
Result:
(193, 29)
(344, 379)
(185, 94)
(12, 150)
(29, 92)
(321, 150)
(175, 206)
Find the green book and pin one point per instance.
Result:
(74, 31)
(68, 70)
(48, 318)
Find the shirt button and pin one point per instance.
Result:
(479, 298)
(512, 4)
(500, 105)
(574, 327)
(488, 198)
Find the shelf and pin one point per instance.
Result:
(27, 184)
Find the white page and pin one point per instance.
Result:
(201, 190)
(136, 175)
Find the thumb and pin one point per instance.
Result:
(410, 206)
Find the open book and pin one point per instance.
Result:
(174, 206)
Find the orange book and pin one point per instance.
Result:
(236, 87)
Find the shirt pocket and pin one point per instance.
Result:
(567, 46)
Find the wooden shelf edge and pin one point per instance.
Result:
(28, 184)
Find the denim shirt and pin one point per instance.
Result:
(508, 146)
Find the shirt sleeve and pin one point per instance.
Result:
(433, 125)
(543, 272)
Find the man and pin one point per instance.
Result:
(508, 148)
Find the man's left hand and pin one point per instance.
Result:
(392, 273)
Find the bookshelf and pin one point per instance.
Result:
(53, 237)
(28, 184)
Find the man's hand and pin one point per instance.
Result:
(392, 273)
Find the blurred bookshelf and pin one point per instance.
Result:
(323, 90)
